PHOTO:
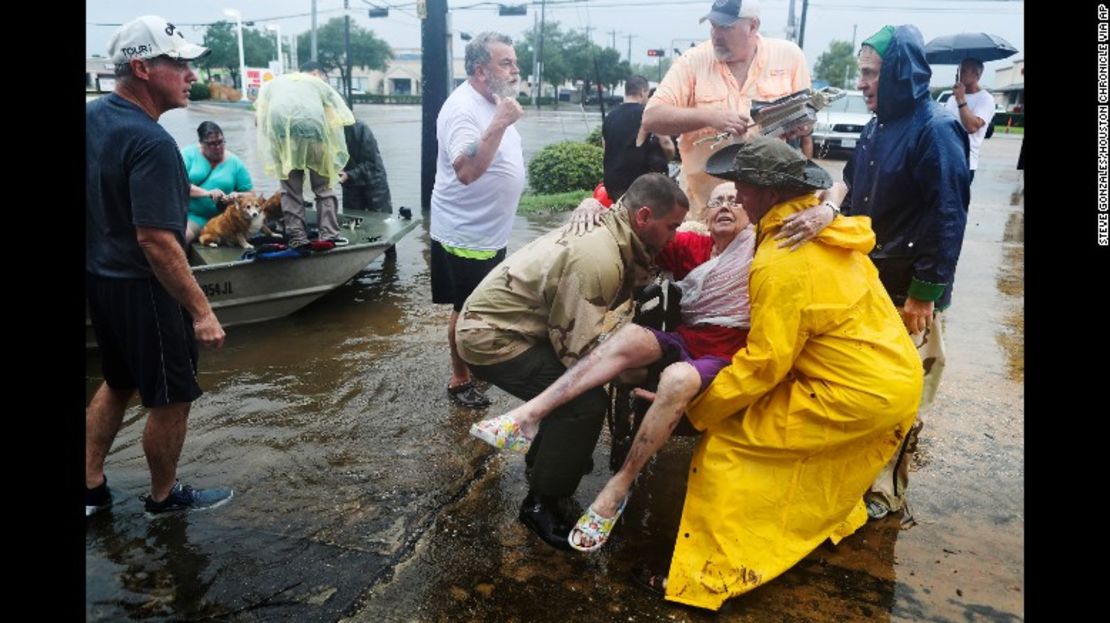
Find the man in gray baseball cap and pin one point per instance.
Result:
(709, 90)
(147, 310)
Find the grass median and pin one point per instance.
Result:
(556, 202)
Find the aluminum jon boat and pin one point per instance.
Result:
(244, 291)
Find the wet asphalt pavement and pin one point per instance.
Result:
(360, 496)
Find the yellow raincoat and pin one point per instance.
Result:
(830, 381)
(300, 126)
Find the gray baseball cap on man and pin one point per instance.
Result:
(728, 12)
(150, 36)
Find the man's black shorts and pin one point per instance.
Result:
(146, 339)
(454, 277)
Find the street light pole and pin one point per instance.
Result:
(347, 49)
(313, 41)
(242, 63)
(539, 58)
(276, 28)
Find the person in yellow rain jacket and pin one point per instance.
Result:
(799, 424)
(300, 138)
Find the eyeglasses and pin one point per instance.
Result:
(218, 143)
(713, 204)
(178, 63)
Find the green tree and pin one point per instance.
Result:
(258, 48)
(556, 70)
(653, 70)
(591, 63)
(367, 50)
(222, 38)
(837, 66)
(570, 55)
(613, 69)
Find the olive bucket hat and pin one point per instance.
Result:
(767, 162)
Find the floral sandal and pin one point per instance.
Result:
(594, 526)
(502, 432)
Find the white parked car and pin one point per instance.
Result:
(839, 125)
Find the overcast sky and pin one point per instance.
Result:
(653, 24)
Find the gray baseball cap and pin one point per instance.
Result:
(728, 12)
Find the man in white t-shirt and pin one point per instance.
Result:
(973, 106)
(479, 179)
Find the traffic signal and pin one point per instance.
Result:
(379, 12)
(659, 52)
(519, 9)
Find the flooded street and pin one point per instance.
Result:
(360, 496)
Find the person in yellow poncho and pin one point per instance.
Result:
(300, 130)
(799, 424)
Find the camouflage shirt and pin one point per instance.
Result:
(558, 288)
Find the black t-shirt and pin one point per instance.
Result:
(134, 176)
(624, 162)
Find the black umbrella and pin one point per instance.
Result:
(953, 49)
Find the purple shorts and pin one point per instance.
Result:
(672, 344)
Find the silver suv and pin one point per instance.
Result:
(839, 125)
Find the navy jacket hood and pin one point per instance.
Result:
(904, 75)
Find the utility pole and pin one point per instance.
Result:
(539, 54)
(630, 37)
(848, 67)
(802, 29)
(433, 31)
(613, 34)
(347, 49)
(313, 47)
(535, 60)
(791, 31)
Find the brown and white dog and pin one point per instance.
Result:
(242, 217)
(271, 211)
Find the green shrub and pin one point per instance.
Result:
(563, 167)
(594, 137)
(526, 101)
(560, 202)
(199, 91)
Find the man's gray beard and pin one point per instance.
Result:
(504, 88)
(723, 56)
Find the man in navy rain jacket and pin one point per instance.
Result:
(909, 173)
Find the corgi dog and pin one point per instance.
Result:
(234, 224)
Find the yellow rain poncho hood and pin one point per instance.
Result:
(300, 126)
(803, 419)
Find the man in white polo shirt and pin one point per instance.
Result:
(973, 106)
(479, 179)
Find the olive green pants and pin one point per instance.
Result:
(562, 451)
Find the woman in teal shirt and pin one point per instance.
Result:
(213, 173)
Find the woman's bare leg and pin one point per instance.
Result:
(632, 346)
(678, 385)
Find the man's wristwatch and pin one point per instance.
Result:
(961, 105)
(832, 205)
